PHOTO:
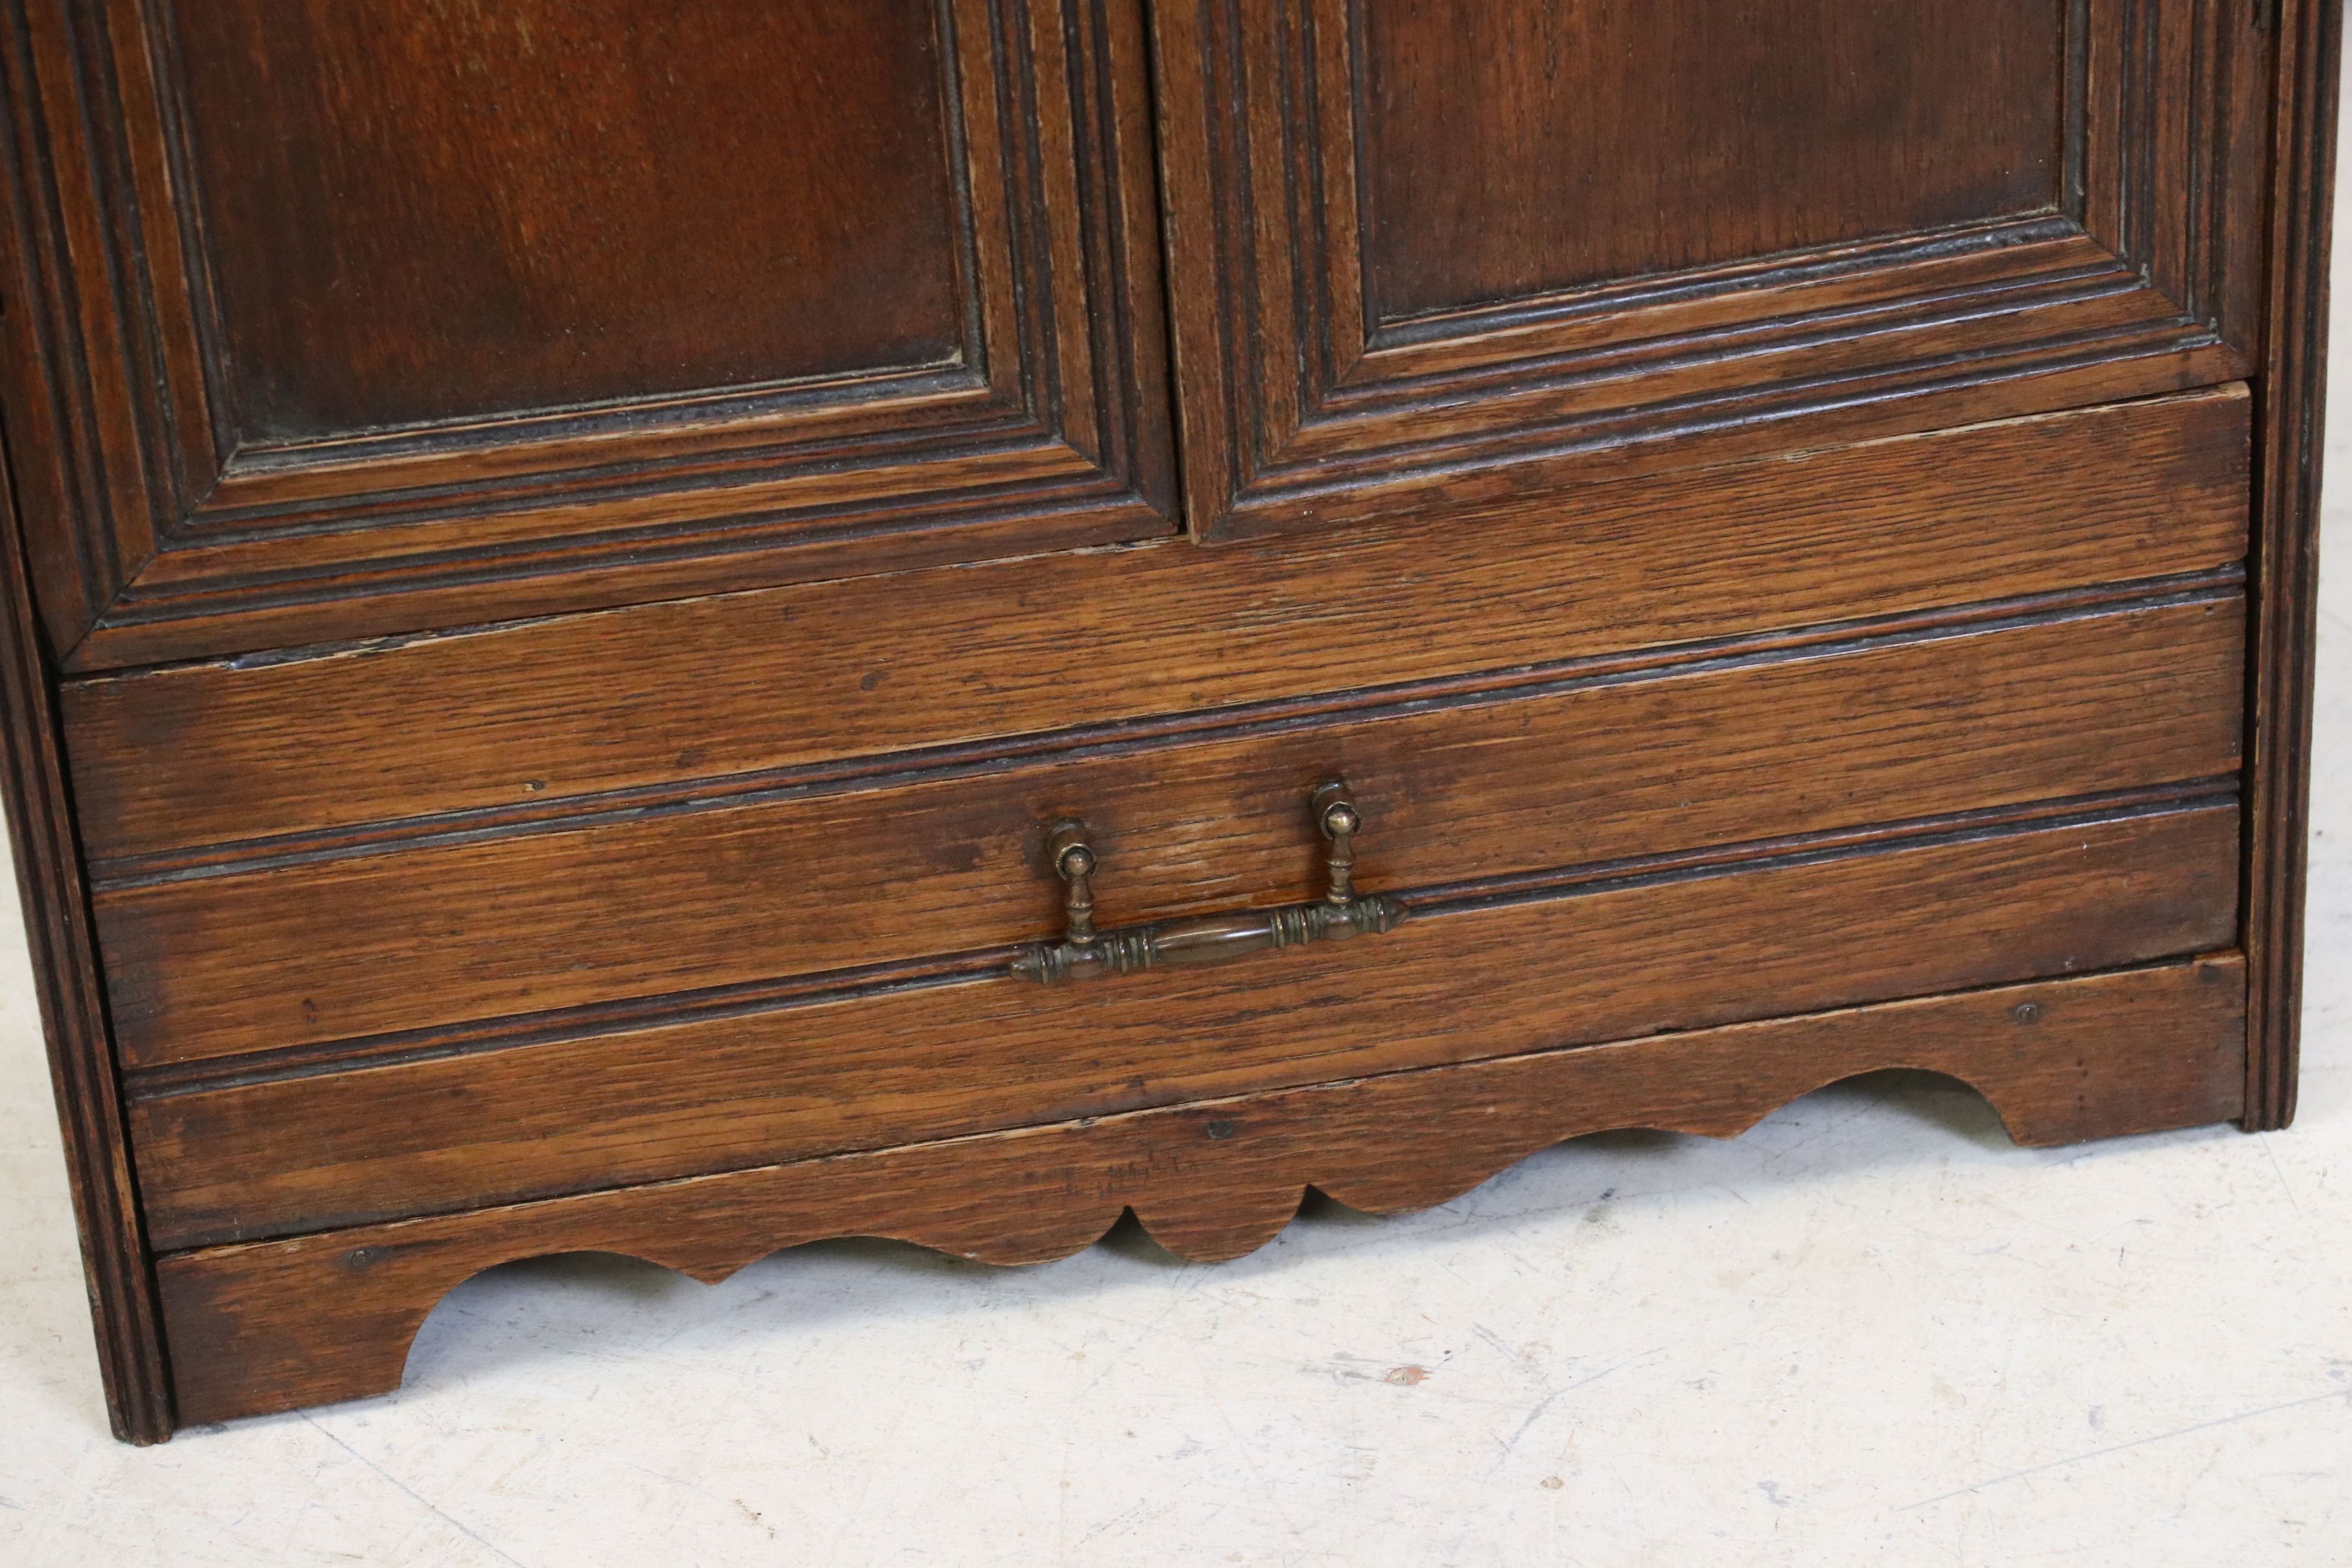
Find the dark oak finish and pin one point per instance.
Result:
(1509, 152)
(771, 197)
(561, 565)
(2278, 783)
(73, 1014)
(1475, 972)
(424, 315)
(755, 691)
(281, 1324)
(1976, 281)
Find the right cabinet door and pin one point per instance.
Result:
(1445, 254)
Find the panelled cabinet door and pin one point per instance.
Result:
(427, 312)
(1437, 254)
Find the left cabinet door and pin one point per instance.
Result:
(330, 318)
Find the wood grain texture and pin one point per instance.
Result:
(770, 197)
(2168, 162)
(1700, 702)
(2294, 409)
(1469, 976)
(528, 323)
(1319, 415)
(280, 1325)
(73, 1014)
(1457, 789)
(734, 693)
(1516, 151)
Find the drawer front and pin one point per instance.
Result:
(541, 927)
(1639, 952)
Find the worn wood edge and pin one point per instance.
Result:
(206, 1075)
(1783, 272)
(133, 631)
(1934, 395)
(272, 1326)
(59, 938)
(2290, 448)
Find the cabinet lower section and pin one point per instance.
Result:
(277, 1325)
(697, 930)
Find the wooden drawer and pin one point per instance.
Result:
(1998, 764)
(544, 927)
(1608, 955)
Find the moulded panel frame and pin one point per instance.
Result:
(1301, 410)
(158, 531)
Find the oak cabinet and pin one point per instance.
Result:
(679, 629)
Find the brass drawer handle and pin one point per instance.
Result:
(1084, 953)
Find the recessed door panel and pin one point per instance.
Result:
(1444, 257)
(417, 213)
(1511, 151)
(431, 312)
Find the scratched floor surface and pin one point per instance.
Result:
(1872, 1332)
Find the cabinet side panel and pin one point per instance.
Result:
(2286, 563)
(65, 975)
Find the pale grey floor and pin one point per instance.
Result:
(1872, 1332)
